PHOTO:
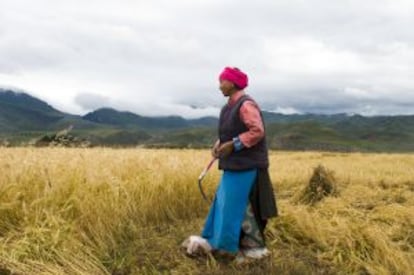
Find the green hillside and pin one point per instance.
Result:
(24, 118)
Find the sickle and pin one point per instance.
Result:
(202, 175)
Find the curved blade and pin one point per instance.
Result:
(202, 191)
(200, 179)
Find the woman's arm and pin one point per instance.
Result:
(250, 115)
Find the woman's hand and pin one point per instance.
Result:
(226, 149)
(214, 150)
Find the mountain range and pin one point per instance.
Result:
(24, 118)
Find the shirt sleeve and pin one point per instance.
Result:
(250, 116)
(237, 144)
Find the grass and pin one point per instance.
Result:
(126, 211)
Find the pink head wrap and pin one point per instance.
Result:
(236, 76)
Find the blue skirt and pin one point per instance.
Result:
(224, 221)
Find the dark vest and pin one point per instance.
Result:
(230, 126)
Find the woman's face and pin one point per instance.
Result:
(226, 87)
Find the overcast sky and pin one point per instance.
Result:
(163, 57)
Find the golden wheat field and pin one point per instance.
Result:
(126, 211)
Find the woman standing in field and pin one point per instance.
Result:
(244, 200)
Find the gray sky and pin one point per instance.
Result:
(163, 57)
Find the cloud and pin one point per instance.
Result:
(285, 110)
(91, 101)
(358, 93)
(161, 56)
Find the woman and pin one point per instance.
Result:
(244, 200)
